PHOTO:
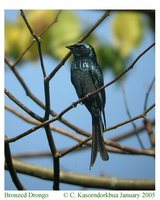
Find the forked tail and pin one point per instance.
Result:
(97, 140)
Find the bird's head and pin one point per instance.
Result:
(82, 50)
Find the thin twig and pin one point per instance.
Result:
(130, 117)
(40, 35)
(147, 122)
(110, 143)
(149, 152)
(147, 93)
(143, 115)
(127, 134)
(51, 24)
(27, 110)
(38, 40)
(56, 168)
(149, 128)
(47, 99)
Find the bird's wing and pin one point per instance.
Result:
(97, 78)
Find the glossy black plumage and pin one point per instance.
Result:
(86, 76)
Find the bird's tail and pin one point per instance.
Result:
(97, 140)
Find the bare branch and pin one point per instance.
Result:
(27, 110)
(35, 122)
(147, 122)
(90, 181)
(41, 34)
(130, 133)
(51, 24)
(143, 115)
(149, 152)
(149, 129)
(130, 117)
(10, 166)
(147, 93)
(38, 40)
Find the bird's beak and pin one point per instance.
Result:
(70, 46)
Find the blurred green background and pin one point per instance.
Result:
(127, 28)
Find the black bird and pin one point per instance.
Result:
(86, 76)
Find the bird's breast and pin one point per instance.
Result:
(83, 64)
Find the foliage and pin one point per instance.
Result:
(128, 29)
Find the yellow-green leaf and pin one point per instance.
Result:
(65, 32)
(128, 30)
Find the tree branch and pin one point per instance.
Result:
(83, 180)
(147, 122)
(27, 110)
(127, 134)
(130, 117)
(10, 166)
